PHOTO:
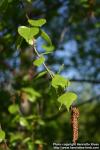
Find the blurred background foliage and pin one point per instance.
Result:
(28, 108)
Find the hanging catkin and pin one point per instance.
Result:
(40, 147)
(74, 121)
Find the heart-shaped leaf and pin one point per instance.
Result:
(67, 99)
(37, 23)
(28, 33)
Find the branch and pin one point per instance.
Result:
(59, 113)
(86, 80)
(45, 66)
(63, 34)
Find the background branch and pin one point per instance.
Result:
(59, 113)
(86, 80)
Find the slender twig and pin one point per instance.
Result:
(86, 80)
(22, 4)
(63, 34)
(45, 66)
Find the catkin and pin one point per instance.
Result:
(40, 147)
(74, 121)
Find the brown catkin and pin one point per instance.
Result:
(40, 147)
(74, 121)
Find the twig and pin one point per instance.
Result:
(45, 66)
(86, 80)
(63, 34)
(22, 4)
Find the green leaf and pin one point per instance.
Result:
(67, 99)
(15, 137)
(40, 74)
(45, 36)
(2, 135)
(30, 145)
(31, 94)
(23, 122)
(48, 48)
(13, 108)
(26, 140)
(28, 33)
(29, 1)
(60, 81)
(97, 25)
(41, 122)
(37, 23)
(39, 61)
(38, 142)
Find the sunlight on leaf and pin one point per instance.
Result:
(60, 81)
(23, 122)
(37, 23)
(28, 33)
(67, 99)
